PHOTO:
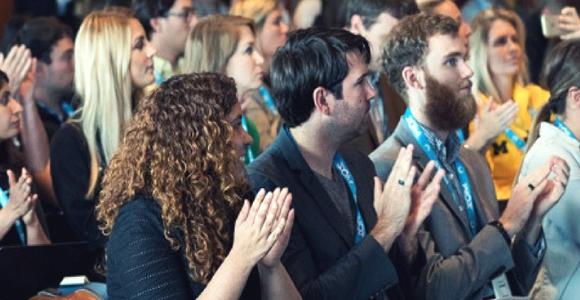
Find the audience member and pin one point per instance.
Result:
(167, 25)
(559, 271)
(51, 43)
(20, 217)
(113, 64)
(468, 248)
(570, 23)
(271, 31)
(340, 244)
(505, 98)
(171, 195)
(226, 44)
(450, 9)
(373, 20)
(32, 141)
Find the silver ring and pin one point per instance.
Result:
(401, 182)
(531, 186)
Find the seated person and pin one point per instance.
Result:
(19, 210)
(170, 199)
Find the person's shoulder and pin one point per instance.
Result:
(140, 206)
(537, 95)
(272, 158)
(68, 131)
(387, 151)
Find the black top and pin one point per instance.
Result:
(70, 168)
(141, 263)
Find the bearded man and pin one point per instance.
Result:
(472, 253)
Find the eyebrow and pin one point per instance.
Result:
(362, 77)
(454, 54)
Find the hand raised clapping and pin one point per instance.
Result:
(21, 201)
(260, 226)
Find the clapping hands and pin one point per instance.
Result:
(263, 229)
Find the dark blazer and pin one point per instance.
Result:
(393, 106)
(459, 265)
(321, 257)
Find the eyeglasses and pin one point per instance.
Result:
(186, 13)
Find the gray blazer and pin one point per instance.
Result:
(459, 265)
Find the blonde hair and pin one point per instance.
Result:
(103, 82)
(256, 10)
(479, 62)
(212, 42)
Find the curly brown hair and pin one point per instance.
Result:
(178, 150)
(408, 45)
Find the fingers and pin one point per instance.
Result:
(243, 215)
(11, 179)
(424, 178)
(256, 204)
(402, 165)
(259, 216)
(538, 175)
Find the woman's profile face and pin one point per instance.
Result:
(240, 138)
(504, 52)
(141, 64)
(273, 33)
(10, 111)
(245, 65)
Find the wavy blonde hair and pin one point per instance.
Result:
(103, 82)
(479, 62)
(212, 42)
(178, 150)
(256, 10)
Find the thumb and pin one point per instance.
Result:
(378, 191)
(11, 178)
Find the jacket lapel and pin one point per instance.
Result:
(311, 185)
(405, 137)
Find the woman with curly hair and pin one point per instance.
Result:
(171, 195)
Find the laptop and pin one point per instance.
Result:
(26, 270)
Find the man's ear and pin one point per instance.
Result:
(319, 96)
(574, 97)
(41, 70)
(155, 24)
(356, 24)
(412, 77)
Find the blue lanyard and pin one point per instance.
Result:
(515, 139)
(67, 109)
(564, 128)
(268, 99)
(423, 141)
(461, 136)
(342, 168)
(17, 223)
(158, 77)
(249, 149)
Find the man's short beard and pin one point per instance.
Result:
(446, 109)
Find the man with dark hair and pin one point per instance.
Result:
(51, 43)
(343, 236)
(167, 24)
(469, 247)
(374, 19)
